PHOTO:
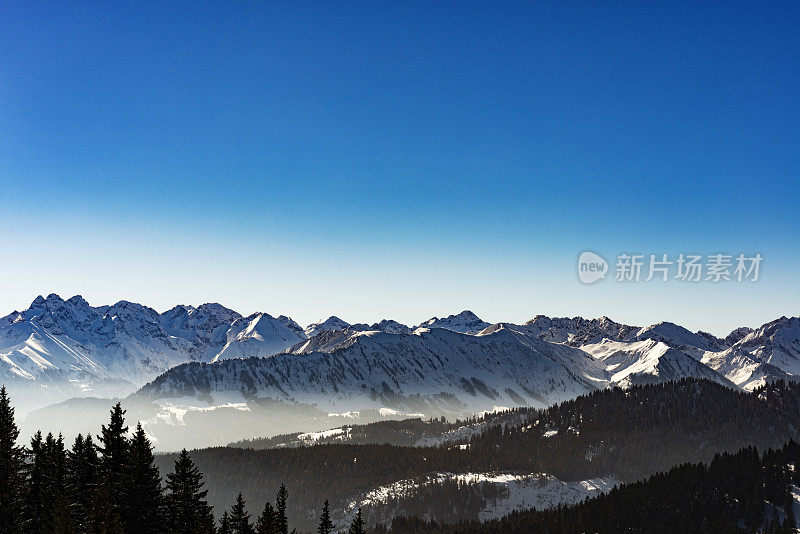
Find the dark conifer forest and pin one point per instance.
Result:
(631, 433)
(734, 493)
(693, 454)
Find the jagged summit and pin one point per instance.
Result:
(678, 336)
(465, 322)
(577, 331)
(330, 324)
(736, 335)
(388, 325)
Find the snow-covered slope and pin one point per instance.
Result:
(325, 341)
(258, 335)
(649, 361)
(776, 343)
(440, 371)
(40, 367)
(747, 363)
(205, 326)
(678, 336)
(750, 358)
(68, 348)
(58, 349)
(432, 371)
(743, 369)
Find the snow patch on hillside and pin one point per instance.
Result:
(795, 492)
(316, 436)
(521, 491)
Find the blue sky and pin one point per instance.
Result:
(371, 160)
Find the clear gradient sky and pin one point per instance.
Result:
(401, 159)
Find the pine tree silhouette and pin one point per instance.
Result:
(82, 481)
(47, 504)
(326, 526)
(187, 509)
(357, 526)
(114, 459)
(35, 494)
(224, 524)
(266, 523)
(12, 459)
(239, 518)
(144, 507)
(281, 520)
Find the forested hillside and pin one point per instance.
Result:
(416, 431)
(630, 433)
(735, 493)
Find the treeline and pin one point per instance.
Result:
(394, 432)
(734, 493)
(402, 432)
(112, 486)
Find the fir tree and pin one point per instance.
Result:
(144, 505)
(115, 459)
(187, 509)
(12, 459)
(34, 498)
(103, 519)
(224, 524)
(47, 505)
(266, 523)
(59, 518)
(326, 526)
(281, 520)
(81, 481)
(357, 526)
(239, 518)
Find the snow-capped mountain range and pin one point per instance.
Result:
(58, 349)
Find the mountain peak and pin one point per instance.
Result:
(214, 307)
(180, 309)
(51, 299)
(465, 322)
(537, 319)
(290, 323)
(393, 327)
(77, 300)
(329, 324)
(677, 336)
(737, 334)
